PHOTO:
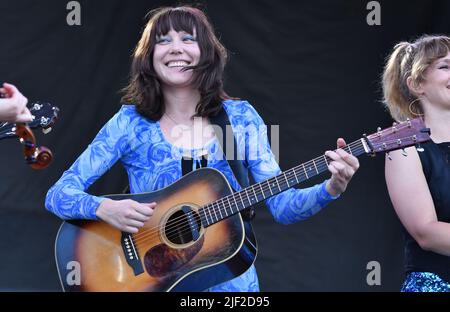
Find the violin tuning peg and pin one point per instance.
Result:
(45, 131)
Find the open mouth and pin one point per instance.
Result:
(172, 64)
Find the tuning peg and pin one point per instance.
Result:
(388, 156)
(419, 148)
(394, 127)
(404, 153)
(379, 131)
(45, 131)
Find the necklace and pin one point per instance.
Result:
(173, 120)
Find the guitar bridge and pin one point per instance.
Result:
(131, 253)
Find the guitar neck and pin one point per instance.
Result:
(256, 193)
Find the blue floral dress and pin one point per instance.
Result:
(153, 163)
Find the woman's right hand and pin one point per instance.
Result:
(126, 215)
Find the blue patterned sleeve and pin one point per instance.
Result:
(67, 198)
(293, 204)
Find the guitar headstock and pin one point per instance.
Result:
(400, 135)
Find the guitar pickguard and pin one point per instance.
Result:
(162, 260)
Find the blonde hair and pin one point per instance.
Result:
(410, 60)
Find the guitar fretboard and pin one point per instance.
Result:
(252, 195)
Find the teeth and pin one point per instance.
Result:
(177, 64)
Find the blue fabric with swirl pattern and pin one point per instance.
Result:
(153, 163)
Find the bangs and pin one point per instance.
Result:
(144, 88)
(178, 20)
(435, 48)
(430, 49)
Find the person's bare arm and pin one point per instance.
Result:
(413, 203)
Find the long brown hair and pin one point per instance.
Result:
(144, 87)
(410, 60)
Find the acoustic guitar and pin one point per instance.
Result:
(196, 237)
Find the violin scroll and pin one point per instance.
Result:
(36, 157)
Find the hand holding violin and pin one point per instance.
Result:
(17, 119)
(13, 105)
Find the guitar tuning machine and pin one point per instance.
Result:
(408, 121)
(394, 127)
(46, 130)
(419, 148)
(404, 153)
(388, 156)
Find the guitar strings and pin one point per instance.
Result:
(319, 162)
(215, 206)
(224, 205)
(173, 228)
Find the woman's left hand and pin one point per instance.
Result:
(342, 167)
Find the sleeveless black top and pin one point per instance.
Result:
(435, 159)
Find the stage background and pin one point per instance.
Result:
(311, 67)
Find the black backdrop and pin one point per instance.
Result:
(311, 67)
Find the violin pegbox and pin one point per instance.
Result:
(45, 116)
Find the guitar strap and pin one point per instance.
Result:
(237, 166)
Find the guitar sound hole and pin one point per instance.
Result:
(183, 226)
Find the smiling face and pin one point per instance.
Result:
(173, 38)
(173, 52)
(436, 87)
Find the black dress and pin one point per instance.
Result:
(435, 159)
